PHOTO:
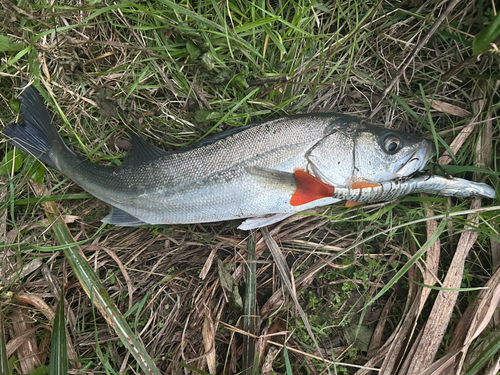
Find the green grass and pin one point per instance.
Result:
(180, 71)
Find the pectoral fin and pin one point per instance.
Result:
(272, 176)
(309, 188)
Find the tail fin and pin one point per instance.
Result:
(37, 133)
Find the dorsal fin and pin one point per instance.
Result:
(212, 138)
(141, 151)
(309, 188)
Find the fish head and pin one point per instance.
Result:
(384, 155)
(360, 152)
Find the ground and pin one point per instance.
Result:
(386, 288)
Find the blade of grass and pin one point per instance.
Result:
(487, 354)
(437, 139)
(255, 24)
(208, 333)
(58, 347)
(93, 287)
(4, 363)
(230, 112)
(287, 361)
(249, 307)
(27, 201)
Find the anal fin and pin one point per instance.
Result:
(121, 218)
(259, 222)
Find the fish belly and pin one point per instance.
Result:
(236, 200)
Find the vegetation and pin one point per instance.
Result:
(388, 288)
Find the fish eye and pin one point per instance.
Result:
(391, 144)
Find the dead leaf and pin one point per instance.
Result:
(475, 319)
(208, 333)
(494, 368)
(41, 305)
(209, 261)
(405, 330)
(273, 304)
(16, 342)
(28, 268)
(286, 275)
(119, 143)
(27, 350)
(267, 367)
(376, 340)
(448, 108)
(432, 257)
(477, 107)
(457, 143)
(130, 285)
(230, 286)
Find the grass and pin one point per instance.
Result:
(180, 71)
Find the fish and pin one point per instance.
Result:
(243, 173)
(359, 193)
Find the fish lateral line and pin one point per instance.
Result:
(309, 188)
(116, 201)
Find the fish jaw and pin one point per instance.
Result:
(416, 161)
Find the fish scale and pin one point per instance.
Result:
(242, 173)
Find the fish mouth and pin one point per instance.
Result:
(415, 161)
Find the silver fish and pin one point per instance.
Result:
(390, 190)
(237, 174)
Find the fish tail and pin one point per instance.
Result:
(37, 134)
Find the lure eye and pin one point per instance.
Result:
(391, 144)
